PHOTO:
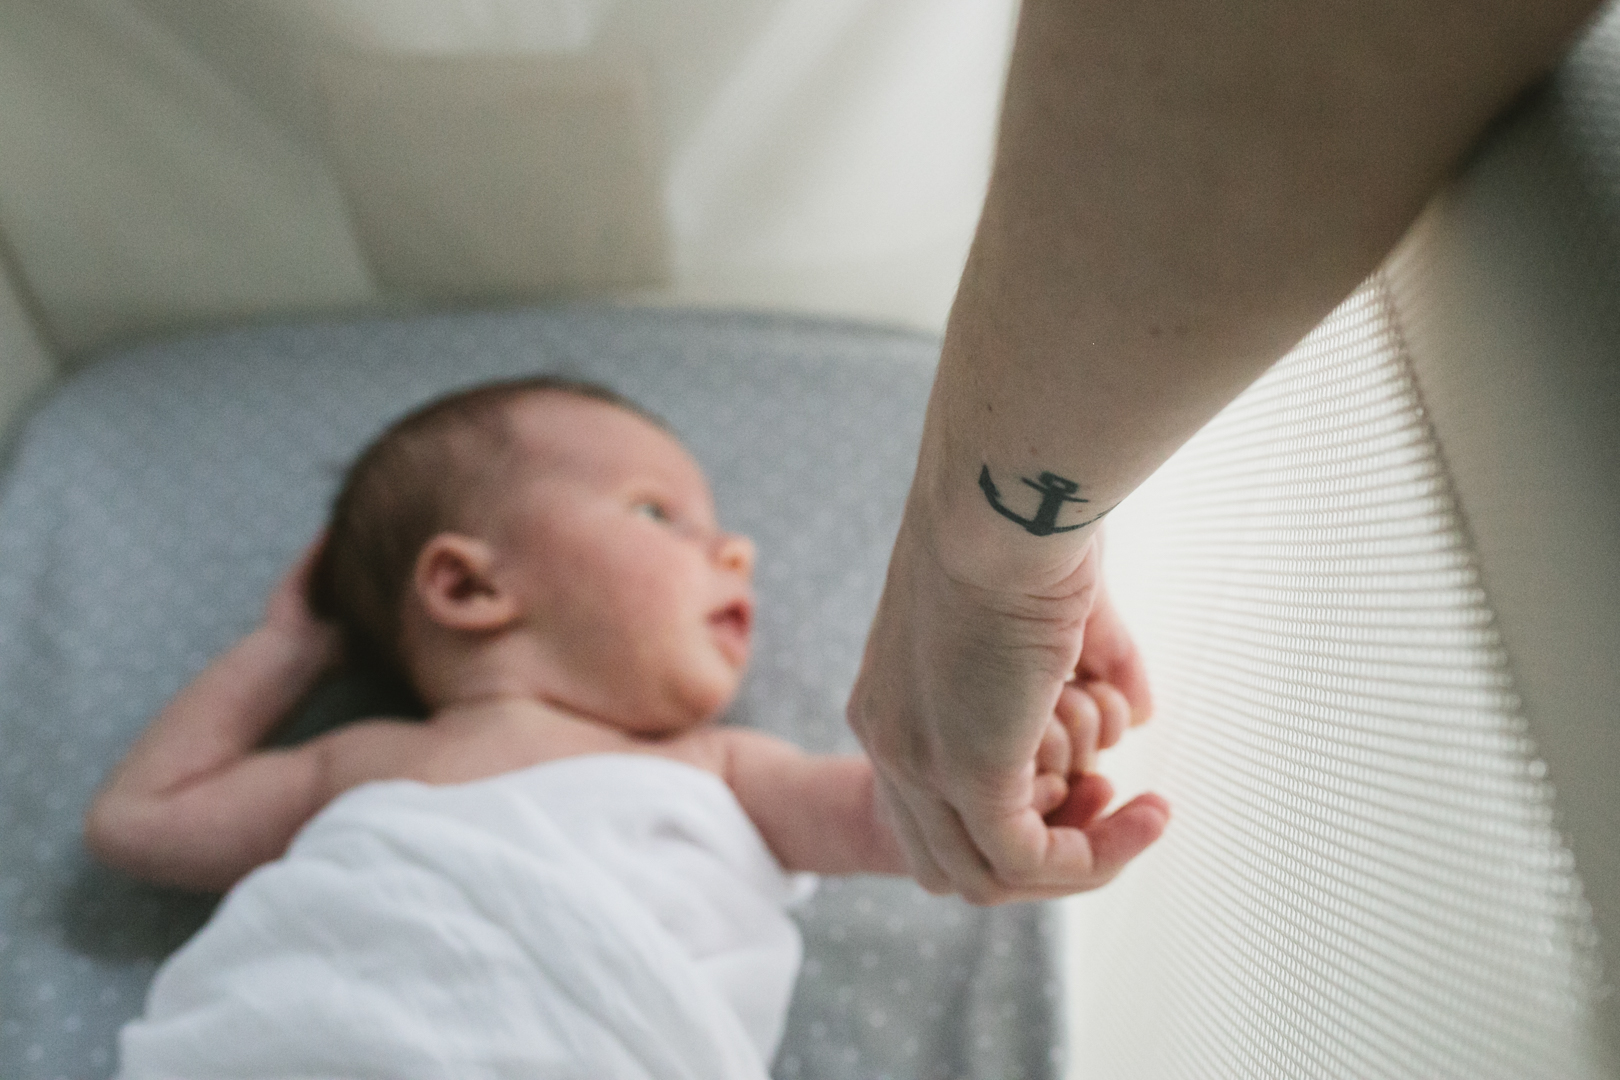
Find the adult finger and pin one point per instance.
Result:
(1056, 751)
(1050, 791)
(1093, 855)
(1114, 711)
(1053, 760)
(1023, 854)
(1104, 847)
(1079, 712)
(1079, 851)
(1109, 654)
(993, 851)
(1123, 835)
(1089, 796)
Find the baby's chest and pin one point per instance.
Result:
(490, 749)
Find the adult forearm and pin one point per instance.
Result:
(1181, 191)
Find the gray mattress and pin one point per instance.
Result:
(152, 502)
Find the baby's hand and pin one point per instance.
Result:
(287, 611)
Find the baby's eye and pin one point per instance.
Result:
(655, 511)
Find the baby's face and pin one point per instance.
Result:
(608, 537)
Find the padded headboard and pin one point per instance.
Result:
(156, 497)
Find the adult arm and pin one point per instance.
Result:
(1181, 191)
(815, 812)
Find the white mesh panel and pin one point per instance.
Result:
(1363, 877)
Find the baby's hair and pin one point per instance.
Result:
(429, 471)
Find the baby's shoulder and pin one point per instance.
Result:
(731, 753)
(473, 745)
(379, 748)
(708, 748)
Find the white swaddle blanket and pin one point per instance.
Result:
(610, 916)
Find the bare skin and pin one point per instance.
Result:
(602, 611)
(1181, 192)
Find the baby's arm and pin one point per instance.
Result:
(194, 803)
(816, 812)
(820, 813)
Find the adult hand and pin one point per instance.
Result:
(957, 688)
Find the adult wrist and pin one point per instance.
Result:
(992, 534)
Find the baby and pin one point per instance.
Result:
(570, 865)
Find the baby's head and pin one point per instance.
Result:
(540, 538)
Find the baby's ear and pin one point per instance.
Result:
(454, 585)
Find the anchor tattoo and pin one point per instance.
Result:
(1055, 491)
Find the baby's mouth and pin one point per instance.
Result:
(732, 625)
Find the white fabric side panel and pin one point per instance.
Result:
(1381, 599)
(1363, 878)
(1509, 298)
(166, 167)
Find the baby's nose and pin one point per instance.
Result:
(735, 552)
